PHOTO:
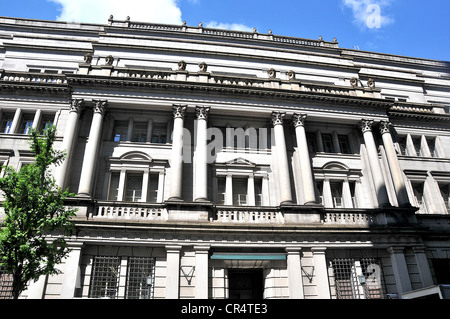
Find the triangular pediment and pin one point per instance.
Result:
(241, 162)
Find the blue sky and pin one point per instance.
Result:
(410, 28)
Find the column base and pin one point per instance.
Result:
(175, 199)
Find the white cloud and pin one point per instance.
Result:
(370, 13)
(98, 11)
(228, 26)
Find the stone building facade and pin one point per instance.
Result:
(222, 164)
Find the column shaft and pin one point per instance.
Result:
(305, 162)
(400, 269)
(201, 155)
(375, 166)
(201, 272)
(176, 164)
(72, 272)
(92, 146)
(294, 268)
(282, 159)
(68, 143)
(394, 165)
(173, 272)
(320, 269)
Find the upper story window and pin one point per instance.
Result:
(241, 183)
(7, 121)
(134, 177)
(420, 146)
(444, 188)
(324, 142)
(139, 132)
(26, 123)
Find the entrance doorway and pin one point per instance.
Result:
(245, 283)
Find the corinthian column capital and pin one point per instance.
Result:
(179, 111)
(76, 105)
(202, 112)
(100, 106)
(385, 127)
(366, 125)
(299, 119)
(278, 118)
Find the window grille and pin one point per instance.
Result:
(105, 277)
(364, 283)
(140, 278)
(374, 280)
(6, 285)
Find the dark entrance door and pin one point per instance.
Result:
(245, 284)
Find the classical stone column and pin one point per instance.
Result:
(173, 272)
(294, 269)
(68, 143)
(305, 163)
(423, 267)
(72, 272)
(201, 271)
(394, 165)
(400, 270)
(375, 166)
(176, 163)
(320, 268)
(201, 155)
(15, 122)
(92, 146)
(282, 159)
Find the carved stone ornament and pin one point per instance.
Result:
(366, 125)
(354, 82)
(109, 60)
(181, 66)
(278, 118)
(385, 127)
(100, 106)
(299, 119)
(291, 75)
(203, 67)
(202, 112)
(88, 58)
(272, 73)
(76, 105)
(371, 83)
(179, 111)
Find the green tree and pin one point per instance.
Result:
(36, 220)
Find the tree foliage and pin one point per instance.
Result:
(34, 215)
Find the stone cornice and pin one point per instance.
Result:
(314, 93)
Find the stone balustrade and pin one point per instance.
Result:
(131, 212)
(249, 215)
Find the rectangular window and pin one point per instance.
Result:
(120, 131)
(139, 132)
(358, 279)
(352, 186)
(240, 191)
(258, 192)
(114, 186)
(336, 194)
(26, 123)
(418, 193)
(153, 188)
(328, 146)
(445, 193)
(46, 122)
(140, 278)
(6, 285)
(416, 143)
(312, 144)
(7, 120)
(159, 133)
(133, 187)
(402, 145)
(105, 277)
(432, 146)
(221, 185)
(319, 190)
(344, 144)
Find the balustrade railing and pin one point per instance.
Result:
(132, 212)
(249, 215)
